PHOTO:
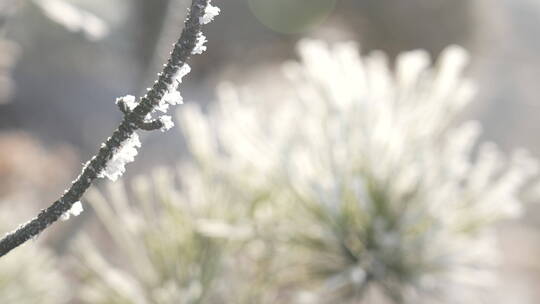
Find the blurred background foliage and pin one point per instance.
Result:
(63, 63)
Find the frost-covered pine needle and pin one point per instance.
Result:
(376, 187)
(170, 257)
(126, 153)
(74, 19)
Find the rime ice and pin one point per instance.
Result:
(183, 71)
(200, 47)
(75, 210)
(129, 100)
(172, 96)
(167, 123)
(209, 14)
(126, 153)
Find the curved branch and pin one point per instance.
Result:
(181, 53)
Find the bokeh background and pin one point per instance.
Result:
(62, 67)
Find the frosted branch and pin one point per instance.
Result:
(135, 115)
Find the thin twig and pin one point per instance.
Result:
(132, 121)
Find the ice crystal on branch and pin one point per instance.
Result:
(200, 47)
(129, 100)
(172, 96)
(167, 122)
(125, 154)
(76, 210)
(183, 71)
(210, 13)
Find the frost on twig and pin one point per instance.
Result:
(75, 210)
(122, 155)
(209, 14)
(167, 122)
(120, 147)
(200, 47)
(172, 96)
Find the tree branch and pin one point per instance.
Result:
(133, 120)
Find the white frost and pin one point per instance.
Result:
(129, 100)
(183, 71)
(172, 96)
(209, 14)
(167, 123)
(199, 46)
(162, 106)
(126, 153)
(75, 210)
